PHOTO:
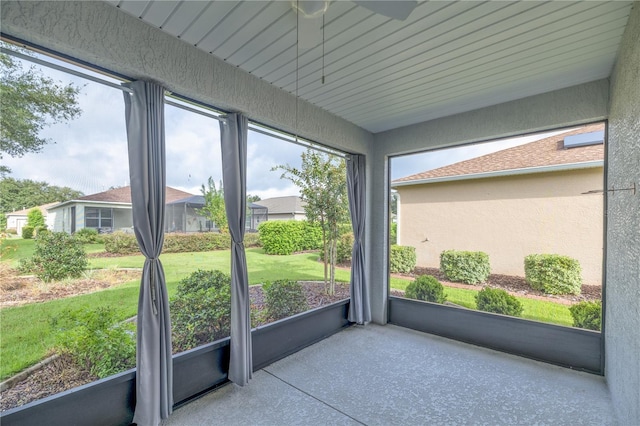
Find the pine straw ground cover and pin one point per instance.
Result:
(63, 374)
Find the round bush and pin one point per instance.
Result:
(498, 301)
(587, 315)
(284, 298)
(88, 236)
(426, 287)
(201, 309)
(470, 267)
(57, 255)
(344, 248)
(553, 273)
(27, 232)
(402, 259)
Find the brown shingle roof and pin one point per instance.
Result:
(544, 152)
(123, 195)
(43, 208)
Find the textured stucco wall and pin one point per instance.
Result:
(560, 108)
(622, 326)
(508, 218)
(105, 36)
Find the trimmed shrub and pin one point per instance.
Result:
(498, 301)
(587, 315)
(88, 236)
(470, 267)
(393, 234)
(201, 309)
(284, 298)
(3, 222)
(207, 241)
(121, 243)
(40, 230)
(95, 340)
(284, 237)
(402, 259)
(553, 273)
(35, 218)
(57, 255)
(344, 248)
(426, 287)
(251, 239)
(27, 232)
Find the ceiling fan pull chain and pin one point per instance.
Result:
(322, 49)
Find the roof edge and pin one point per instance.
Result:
(113, 203)
(498, 173)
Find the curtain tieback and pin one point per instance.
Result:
(152, 288)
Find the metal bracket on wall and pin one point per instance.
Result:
(613, 190)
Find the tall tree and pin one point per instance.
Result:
(322, 180)
(214, 204)
(29, 102)
(18, 194)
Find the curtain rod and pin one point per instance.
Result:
(253, 126)
(65, 69)
(259, 129)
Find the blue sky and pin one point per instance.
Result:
(90, 153)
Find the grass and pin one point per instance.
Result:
(537, 310)
(27, 336)
(14, 249)
(26, 333)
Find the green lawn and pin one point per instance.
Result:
(26, 334)
(538, 310)
(14, 249)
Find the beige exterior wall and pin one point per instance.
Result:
(508, 218)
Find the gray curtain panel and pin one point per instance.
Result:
(359, 308)
(144, 110)
(233, 132)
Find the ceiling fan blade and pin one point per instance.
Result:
(399, 10)
(309, 31)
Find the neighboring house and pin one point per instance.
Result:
(279, 208)
(16, 220)
(184, 215)
(105, 211)
(511, 203)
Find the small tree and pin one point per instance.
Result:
(322, 180)
(214, 207)
(35, 218)
(30, 102)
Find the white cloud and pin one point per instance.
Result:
(90, 152)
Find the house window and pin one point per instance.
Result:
(97, 218)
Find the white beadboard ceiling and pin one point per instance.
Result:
(447, 57)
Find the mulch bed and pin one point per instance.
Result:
(20, 290)
(59, 375)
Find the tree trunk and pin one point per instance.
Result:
(333, 266)
(325, 259)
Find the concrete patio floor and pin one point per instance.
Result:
(388, 375)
